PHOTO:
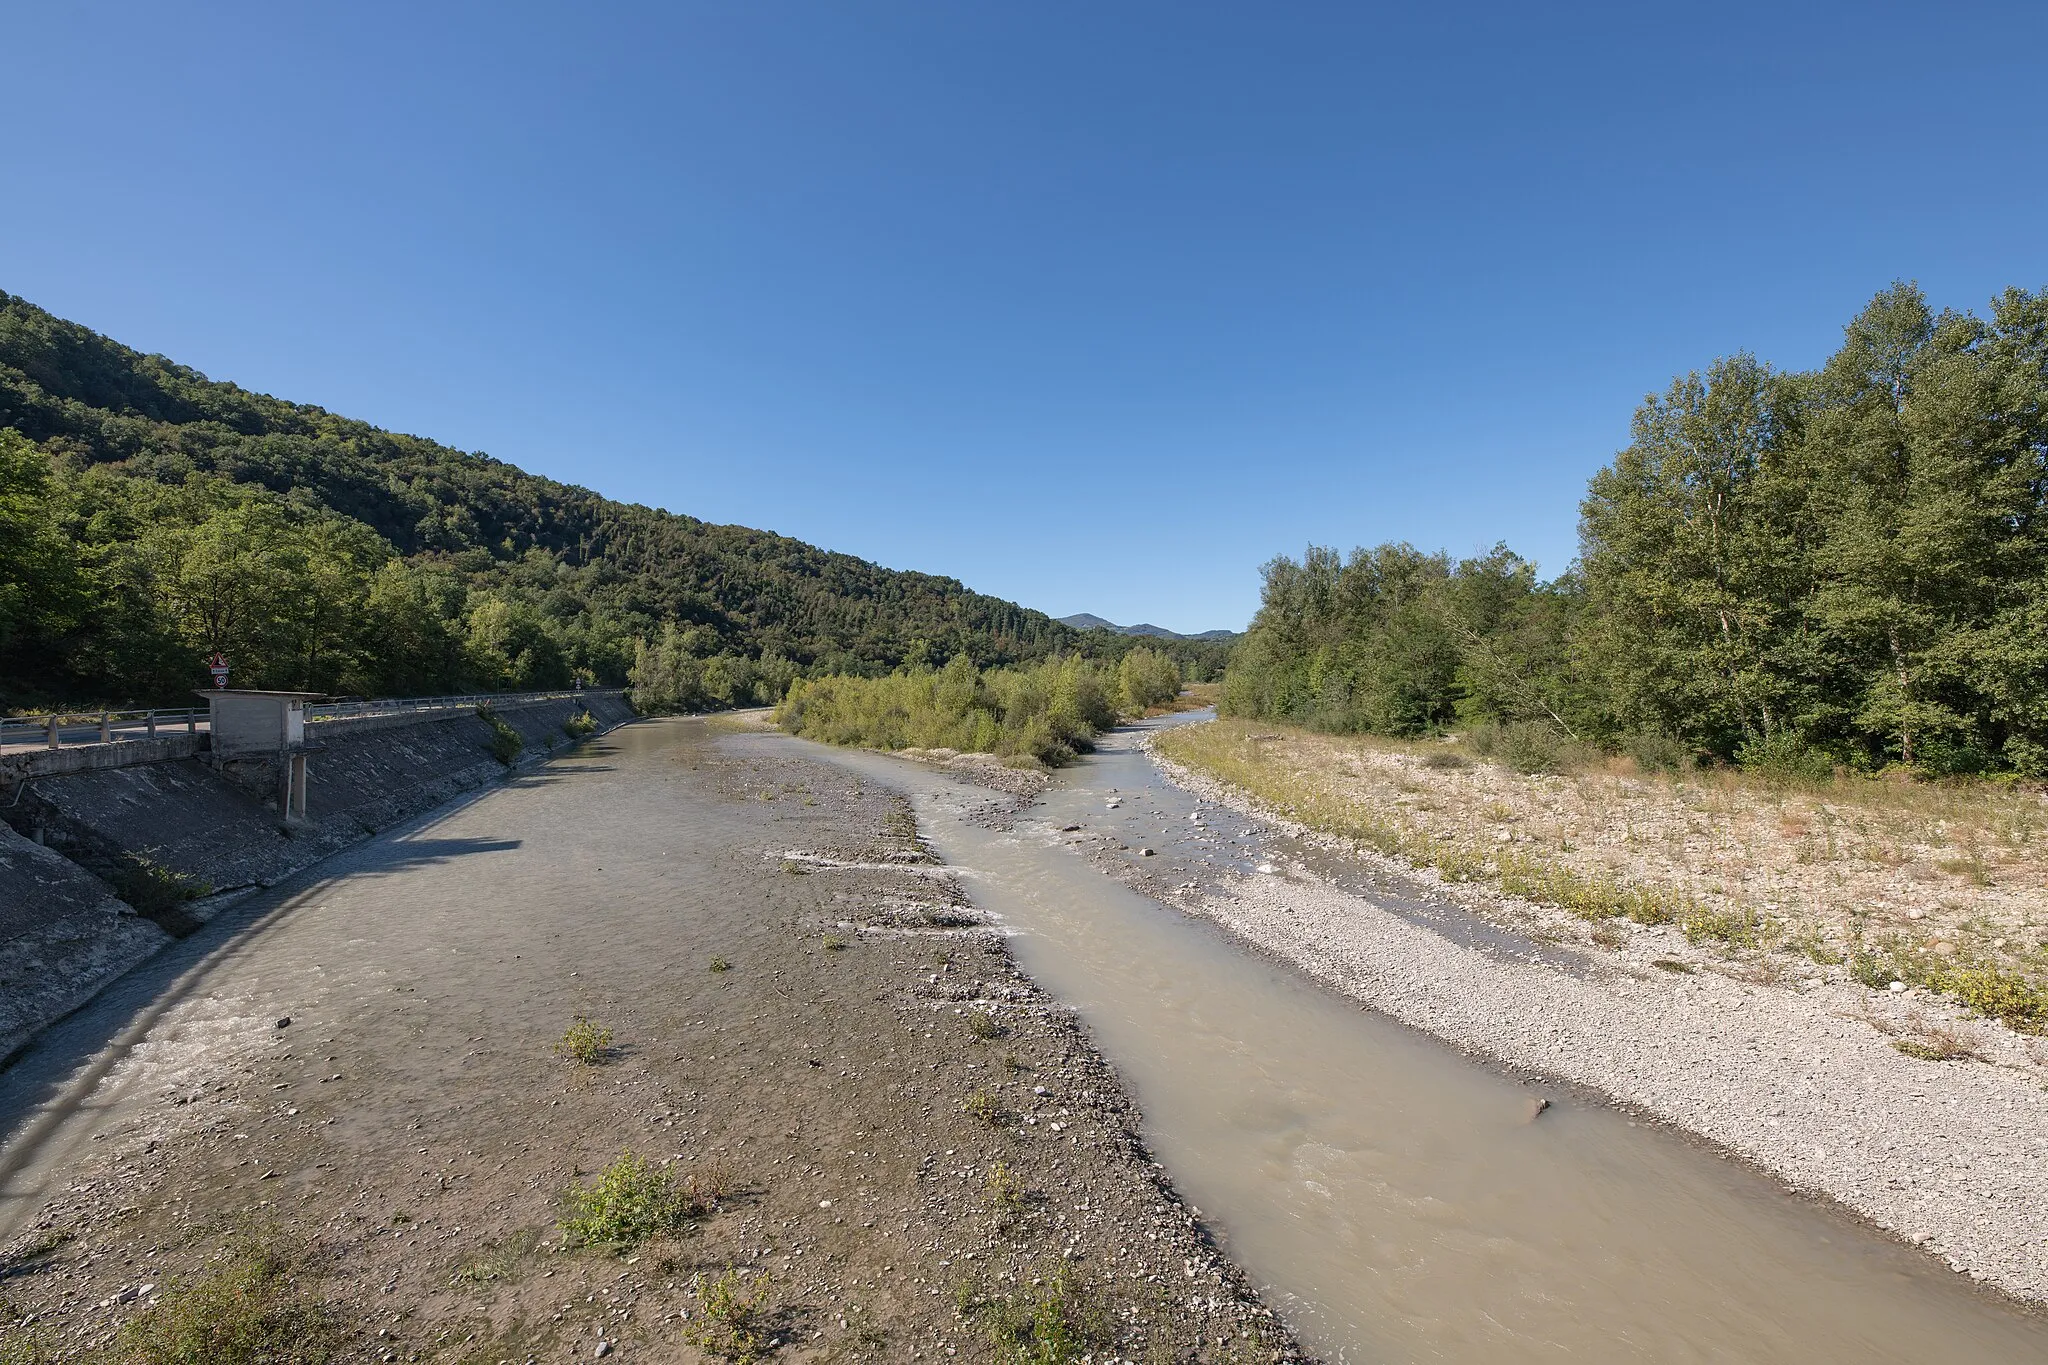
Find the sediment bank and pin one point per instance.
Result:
(1802, 1080)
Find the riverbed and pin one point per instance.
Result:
(1399, 1198)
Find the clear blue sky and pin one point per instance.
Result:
(1094, 306)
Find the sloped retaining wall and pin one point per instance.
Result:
(73, 833)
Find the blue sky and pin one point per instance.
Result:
(1093, 306)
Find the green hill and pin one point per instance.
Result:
(150, 516)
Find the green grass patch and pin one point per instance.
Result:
(249, 1310)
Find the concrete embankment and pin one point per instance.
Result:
(160, 823)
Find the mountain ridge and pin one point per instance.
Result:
(1085, 620)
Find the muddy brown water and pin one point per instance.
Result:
(1389, 1193)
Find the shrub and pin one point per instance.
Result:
(632, 1201)
(1655, 753)
(156, 892)
(580, 725)
(505, 743)
(1445, 760)
(732, 1319)
(1786, 759)
(1530, 747)
(588, 1042)
(984, 1026)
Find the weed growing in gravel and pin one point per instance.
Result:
(984, 1107)
(633, 1200)
(1675, 967)
(1055, 1321)
(793, 868)
(248, 1310)
(732, 1319)
(1737, 928)
(1006, 1194)
(2009, 997)
(984, 1026)
(719, 964)
(834, 943)
(1808, 943)
(587, 1041)
(499, 1263)
(1939, 1043)
(1013, 1064)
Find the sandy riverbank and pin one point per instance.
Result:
(1801, 1080)
(896, 1180)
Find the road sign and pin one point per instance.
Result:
(218, 666)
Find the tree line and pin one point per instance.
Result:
(1044, 713)
(1844, 566)
(151, 517)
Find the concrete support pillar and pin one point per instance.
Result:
(51, 730)
(300, 765)
(105, 734)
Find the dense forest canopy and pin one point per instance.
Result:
(150, 516)
(1844, 566)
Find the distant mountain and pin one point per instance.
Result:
(1085, 621)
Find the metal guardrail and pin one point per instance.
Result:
(75, 729)
(69, 729)
(385, 706)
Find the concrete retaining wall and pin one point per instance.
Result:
(62, 937)
(80, 824)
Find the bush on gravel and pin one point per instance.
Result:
(634, 1200)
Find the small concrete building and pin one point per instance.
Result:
(264, 727)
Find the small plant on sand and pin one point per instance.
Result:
(791, 867)
(632, 1201)
(719, 964)
(587, 1041)
(833, 943)
(984, 1026)
(248, 1310)
(1007, 1196)
(984, 1107)
(1013, 1064)
(732, 1319)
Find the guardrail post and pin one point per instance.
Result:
(105, 734)
(192, 722)
(151, 719)
(52, 727)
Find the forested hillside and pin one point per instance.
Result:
(150, 516)
(1843, 566)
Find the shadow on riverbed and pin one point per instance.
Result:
(50, 1079)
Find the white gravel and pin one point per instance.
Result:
(1950, 1155)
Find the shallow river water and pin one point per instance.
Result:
(1392, 1196)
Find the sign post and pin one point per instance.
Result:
(218, 666)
